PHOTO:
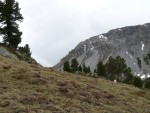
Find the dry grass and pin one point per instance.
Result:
(27, 88)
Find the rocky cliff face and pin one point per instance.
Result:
(8, 52)
(4, 52)
(130, 42)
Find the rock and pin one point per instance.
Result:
(115, 81)
(8, 54)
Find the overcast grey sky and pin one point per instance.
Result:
(54, 27)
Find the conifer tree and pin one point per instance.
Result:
(66, 66)
(84, 68)
(111, 66)
(139, 62)
(116, 67)
(137, 82)
(129, 76)
(9, 16)
(101, 69)
(27, 50)
(95, 71)
(74, 65)
(88, 69)
(147, 83)
(80, 68)
(120, 66)
(146, 59)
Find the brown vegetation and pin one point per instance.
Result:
(26, 88)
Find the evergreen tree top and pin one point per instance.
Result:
(9, 29)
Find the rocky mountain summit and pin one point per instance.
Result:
(132, 43)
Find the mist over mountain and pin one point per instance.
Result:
(131, 43)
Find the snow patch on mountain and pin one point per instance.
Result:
(144, 25)
(102, 38)
(92, 48)
(142, 48)
(129, 54)
(84, 47)
(143, 75)
(120, 29)
(134, 63)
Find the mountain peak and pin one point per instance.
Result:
(129, 42)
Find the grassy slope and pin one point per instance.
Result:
(26, 88)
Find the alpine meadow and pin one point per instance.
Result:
(106, 73)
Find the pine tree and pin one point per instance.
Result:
(116, 67)
(146, 59)
(27, 50)
(95, 71)
(74, 65)
(147, 83)
(128, 76)
(9, 16)
(66, 66)
(111, 68)
(84, 68)
(101, 69)
(139, 62)
(120, 67)
(80, 68)
(137, 82)
(88, 69)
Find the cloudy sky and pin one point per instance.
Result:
(54, 27)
